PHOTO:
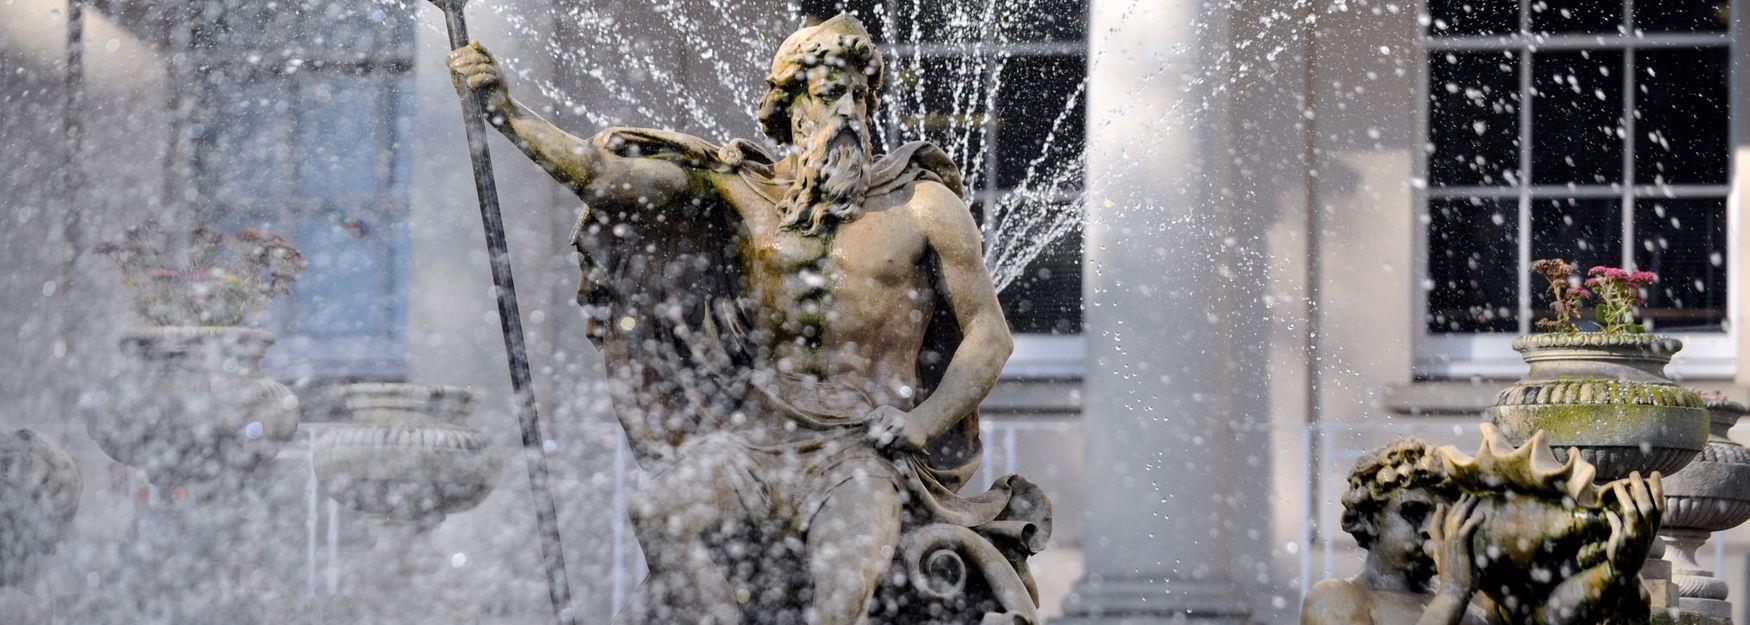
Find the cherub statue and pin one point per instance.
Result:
(1501, 537)
(797, 345)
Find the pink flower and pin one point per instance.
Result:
(1594, 283)
(163, 273)
(1597, 271)
(1582, 292)
(1643, 278)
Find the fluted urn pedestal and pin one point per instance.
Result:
(191, 408)
(39, 494)
(1710, 495)
(407, 459)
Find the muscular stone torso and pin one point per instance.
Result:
(842, 314)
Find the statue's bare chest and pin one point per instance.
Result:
(886, 244)
(880, 247)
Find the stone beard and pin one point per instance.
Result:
(832, 172)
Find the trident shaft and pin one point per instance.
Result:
(510, 323)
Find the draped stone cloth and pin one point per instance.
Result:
(661, 288)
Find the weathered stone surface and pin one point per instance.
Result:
(192, 407)
(1508, 535)
(797, 348)
(407, 459)
(1608, 396)
(1712, 494)
(39, 494)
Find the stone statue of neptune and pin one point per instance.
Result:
(797, 348)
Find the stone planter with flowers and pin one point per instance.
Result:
(190, 406)
(1602, 391)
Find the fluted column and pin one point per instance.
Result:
(1162, 359)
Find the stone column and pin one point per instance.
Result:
(1163, 361)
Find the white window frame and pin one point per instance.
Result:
(1708, 355)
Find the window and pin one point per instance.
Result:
(1592, 130)
(957, 79)
(299, 123)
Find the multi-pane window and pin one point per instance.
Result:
(1592, 130)
(1004, 95)
(299, 124)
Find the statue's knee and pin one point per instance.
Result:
(651, 508)
(678, 506)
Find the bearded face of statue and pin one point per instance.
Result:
(829, 123)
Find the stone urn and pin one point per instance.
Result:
(39, 494)
(1607, 395)
(1712, 494)
(407, 459)
(192, 406)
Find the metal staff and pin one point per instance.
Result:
(510, 322)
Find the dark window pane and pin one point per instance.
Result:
(1684, 241)
(1586, 231)
(343, 293)
(249, 29)
(1576, 16)
(934, 21)
(872, 13)
(1682, 16)
(942, 101)
(1472, 17)
(311, 31)
(352, 31)
(1681, 108)
(1043, 20)
(1473, 118)
(343, 141)
(1576, 127)
(241, 132)
(1047, 297)
(1473, 265)
(1035, 94)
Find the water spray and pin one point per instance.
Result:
(511, 325)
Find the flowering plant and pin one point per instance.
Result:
(218, 280)
(1616, 294)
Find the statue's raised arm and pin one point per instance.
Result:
(595, 173)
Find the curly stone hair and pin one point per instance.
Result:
(858, 53)
(1406, 464)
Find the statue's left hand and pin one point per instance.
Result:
(1634, 521)
(1450, 538)
(892, 428)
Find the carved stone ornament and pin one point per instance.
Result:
(1712, 494)
(1507, 535)
(408, 459)
(39, 494)
(191, 406)
(1607, 395)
